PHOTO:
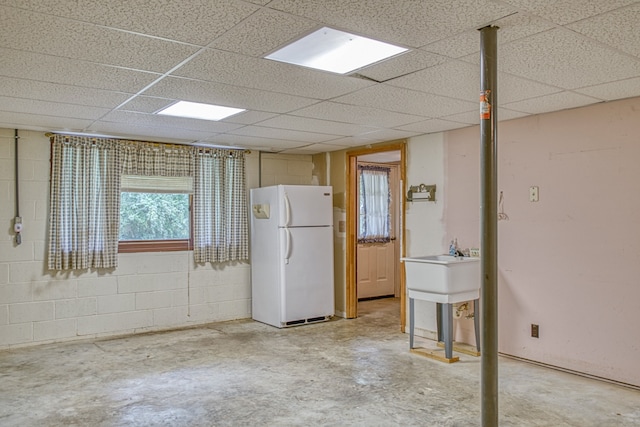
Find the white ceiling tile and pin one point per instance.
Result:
(48, 108)
(35, 66)
(616, 90)
(511, 28)
(76, 40)
(354, 114)
(315, 125)
(400, 65)
(238, 70)
(226, 95)
(263, 32)
(284, 134)
(249, 117)
(456, 46)
(386, 97)
(512, 88)
(147, 133)
(44, 91)
(565, 11)
(431, 126)
(553, 102)
(619, 29)
(565, 59)
(389, 134)
(263, 144)
(146, 104)
(401, 21)
(10, 119)
(196, 21)
(160, 121)
(454, 79)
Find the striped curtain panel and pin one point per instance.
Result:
(84, 203)
(220, 207)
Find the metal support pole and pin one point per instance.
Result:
(489, 220)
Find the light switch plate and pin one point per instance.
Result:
(533, 193)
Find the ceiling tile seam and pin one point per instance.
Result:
(176, 67)
(48, 115)
(469, 29)
(603, 84)
(317, 26)
(292, 113)
(56, 103)
(566, 27)
(626, 6)
(160, 78)
(556, 27)
(257, 124)
(315, 100)
(83, 61)
(603, 44)
(568, 91)
(232, 132)
(104, 27)
(403, 112)
(65, 103)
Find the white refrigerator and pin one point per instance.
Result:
(291, 254)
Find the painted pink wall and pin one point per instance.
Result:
(571, 261)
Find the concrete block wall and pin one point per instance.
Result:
(147, 291)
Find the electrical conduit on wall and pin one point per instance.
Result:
(17, 221)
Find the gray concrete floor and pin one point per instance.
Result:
(243, 373)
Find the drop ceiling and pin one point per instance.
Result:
(105, 67)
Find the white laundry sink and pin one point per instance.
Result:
(443, 278)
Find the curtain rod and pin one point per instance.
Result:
(52, 134)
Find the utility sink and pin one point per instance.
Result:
(444, 278)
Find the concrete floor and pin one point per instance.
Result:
(243, 373)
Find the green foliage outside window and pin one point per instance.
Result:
(154, 216)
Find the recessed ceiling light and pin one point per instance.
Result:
(196, 110)
(336, 51)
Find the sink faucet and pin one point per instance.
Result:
(453, 249)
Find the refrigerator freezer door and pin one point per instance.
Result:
(307, 277)
(305, 205)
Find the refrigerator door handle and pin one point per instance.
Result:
(287, 210)
(287, 253)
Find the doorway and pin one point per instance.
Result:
(378, 225)
(392, 153)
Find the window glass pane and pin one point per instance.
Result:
(154, 216)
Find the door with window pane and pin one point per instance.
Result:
(376, 253)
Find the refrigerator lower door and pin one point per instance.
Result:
(307, 274)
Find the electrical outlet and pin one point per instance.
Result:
(535, 331)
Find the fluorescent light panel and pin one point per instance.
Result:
(336, 51)
(196, 110)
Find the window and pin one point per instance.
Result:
(155, 213)
(97, 183)
(375, 200)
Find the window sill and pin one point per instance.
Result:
(133, 246)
